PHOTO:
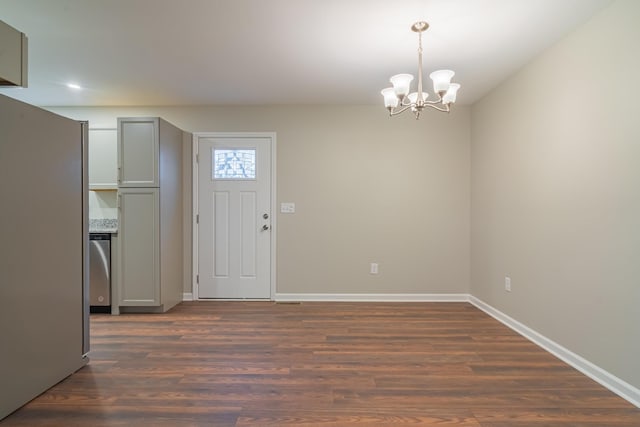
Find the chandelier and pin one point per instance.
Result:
(397, 99)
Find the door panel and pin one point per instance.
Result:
(234, 199)
(103, 159)
(248, 233)
(221, 233)
(138, 251)
(138, 152)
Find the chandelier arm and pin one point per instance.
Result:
(446, 108)
(435, 102)
(396, 112)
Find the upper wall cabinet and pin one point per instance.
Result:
(138, 152)
(13, 56)
(103, 159)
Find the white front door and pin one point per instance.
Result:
(234, 204)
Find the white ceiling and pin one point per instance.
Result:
(222, 52)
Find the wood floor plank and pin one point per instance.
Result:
(335, 419)
(544, 417)
(320, 364)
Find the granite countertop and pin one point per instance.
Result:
(103, 225)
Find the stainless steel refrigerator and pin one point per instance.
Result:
(44, 323)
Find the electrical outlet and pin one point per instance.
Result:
(374, 268)
(507, 283)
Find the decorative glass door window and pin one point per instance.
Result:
(234, 164)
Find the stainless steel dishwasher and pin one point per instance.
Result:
(99, 270)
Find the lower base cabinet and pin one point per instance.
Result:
(144, 282)
(139, 251)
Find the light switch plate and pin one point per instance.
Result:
(287, 207)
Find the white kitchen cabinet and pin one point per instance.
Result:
(13, 56)
(139, 260)
(103, 159)
(138, 152)
(149, 266)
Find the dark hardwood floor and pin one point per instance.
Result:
(320, 364)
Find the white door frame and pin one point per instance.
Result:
(195, 195)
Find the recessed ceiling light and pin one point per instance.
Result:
(74, 86)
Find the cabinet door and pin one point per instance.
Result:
(103, 159)
(138, 247)
(13, 52)
(138, 152)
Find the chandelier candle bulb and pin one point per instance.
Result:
(390, 98)
(401, 84)
(441, 80)
(450, 96)
(413, 97)
(399, 98)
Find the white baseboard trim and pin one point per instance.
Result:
(604, 378)
(187, 296)
(373, 297)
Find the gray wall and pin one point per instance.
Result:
(556, 193)
(367, 188)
